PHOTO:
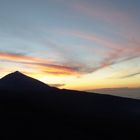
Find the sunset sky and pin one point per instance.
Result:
(74, 44)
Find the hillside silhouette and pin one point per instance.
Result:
(30, 108)
(17, 81)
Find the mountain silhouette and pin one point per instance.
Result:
(18, 81)
(30, 108)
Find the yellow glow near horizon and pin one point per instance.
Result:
(97, 80)
(104, 78)
(87, 82)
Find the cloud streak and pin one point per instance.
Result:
(101, 13)
(130, 75)
(122, 92)
(116, 52)
(57, 85)
(40, 64)
(19, 57)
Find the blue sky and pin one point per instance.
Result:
(63, 42)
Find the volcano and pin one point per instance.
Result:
(30, 108)
(17, 81)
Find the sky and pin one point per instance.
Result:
(73, 44)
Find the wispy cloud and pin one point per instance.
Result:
(104, 42)
(116, 52)
(123, 92)
(53, 69)
(130, 75)
(19, 57)
(101, 13)
(57, 85)
(40, 64)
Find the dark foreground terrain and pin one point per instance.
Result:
(30, 109)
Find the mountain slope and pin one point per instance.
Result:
(18, 81)
(63, 114)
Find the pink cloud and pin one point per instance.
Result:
(40, 64)
(102, 13)
(116, 51)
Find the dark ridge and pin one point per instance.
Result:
(30, 108)
(18, 81)
(14, 74)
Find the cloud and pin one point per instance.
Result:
(40, 64)
(104, 42)
(53, 69)
(122, 92)
(115, 52)
(101, 12)
(19, 57)
(111, 52)
(130, 75)
(123, 21)
(57, 85)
